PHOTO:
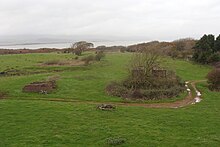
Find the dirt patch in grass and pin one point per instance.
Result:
(63, 63)
(12, 72)
(40, 87)
(3, 95)
(16, 72)
(43, 87)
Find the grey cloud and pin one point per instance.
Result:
(151, 19)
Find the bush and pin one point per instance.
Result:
(88, 59)
(78, 52)
(116, 89)
(214, 58)
(99, 55)
(214, 79)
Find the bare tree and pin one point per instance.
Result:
(141, 66)
(78, 47)
(147, 58)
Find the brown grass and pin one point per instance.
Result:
(3, 94)
(63, 63)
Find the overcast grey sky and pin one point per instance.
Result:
(150, 19)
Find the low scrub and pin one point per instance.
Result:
(91, 58)
(150, 92)
(99, 55)
(214, 79)
(54, 62)
(87, 60)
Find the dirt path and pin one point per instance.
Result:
(190, 99)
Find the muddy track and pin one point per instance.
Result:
(193, 97)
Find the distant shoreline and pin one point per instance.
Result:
(61, 45)
(33, 43)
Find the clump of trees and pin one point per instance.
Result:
(207, 49)
(147, 80)
(78, 47)
(214, 79)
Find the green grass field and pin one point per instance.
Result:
(27, 121)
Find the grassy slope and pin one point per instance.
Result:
(38, 123)
(84, 83)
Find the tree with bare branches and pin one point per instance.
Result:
(78, 47)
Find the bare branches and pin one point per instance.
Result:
(78, 47)
(146, 60)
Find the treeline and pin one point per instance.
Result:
(182, 48)
(207, 49)
(204, 51)
(27, 51)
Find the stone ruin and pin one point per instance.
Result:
(156, 72)
(40, 87)
(138, 72)
(159, 73)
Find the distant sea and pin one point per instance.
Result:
(64, 45)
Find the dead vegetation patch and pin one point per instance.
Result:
(18, 72)
(216, 64)
(12, 72)
(3, 95)
(63, 63)
(214, 79)
(43, 87)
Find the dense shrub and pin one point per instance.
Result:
(215, 57)
(116, 89)
(99, 55)
(216, 64)
(206, 49)
(214, 79)
(147, 93)
(151, 89)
